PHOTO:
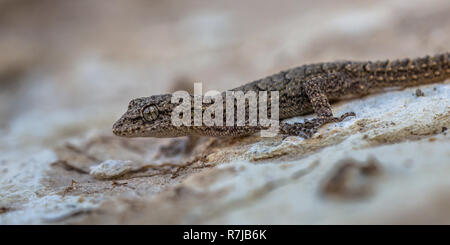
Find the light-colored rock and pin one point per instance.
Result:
(388, 165)
(110, 169)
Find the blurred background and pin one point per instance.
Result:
(68, 67)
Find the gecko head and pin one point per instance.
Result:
(147, 117)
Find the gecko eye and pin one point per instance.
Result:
(150, 113)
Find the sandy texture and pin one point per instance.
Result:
(69, 68)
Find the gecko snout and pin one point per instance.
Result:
(117, 128)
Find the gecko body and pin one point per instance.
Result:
(302, 90)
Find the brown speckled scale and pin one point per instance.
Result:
(302, 90)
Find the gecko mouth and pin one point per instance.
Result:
(126, 127)
(120, 129)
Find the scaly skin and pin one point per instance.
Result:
(302, 90)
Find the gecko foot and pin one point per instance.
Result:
(309, 127)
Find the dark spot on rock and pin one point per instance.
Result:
(5, 210)
(351, 179)
(419, 93)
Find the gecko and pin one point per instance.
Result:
(302, 90)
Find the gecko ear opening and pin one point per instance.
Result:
(150, 113)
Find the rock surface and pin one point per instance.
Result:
(60, 164)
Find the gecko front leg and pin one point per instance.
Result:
(314, 88)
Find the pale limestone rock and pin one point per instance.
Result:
(56, 115)
(110, 169)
